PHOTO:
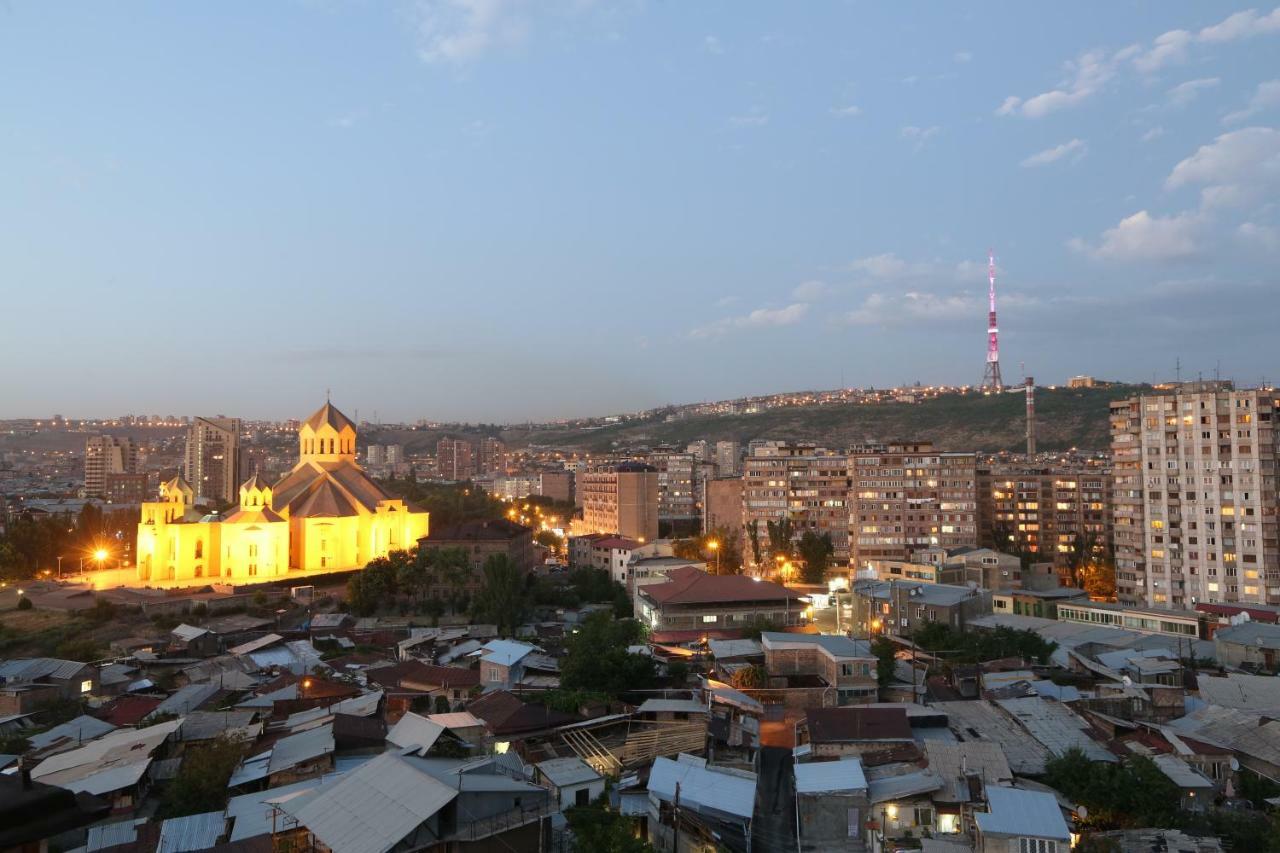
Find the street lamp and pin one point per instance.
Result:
(715, 546)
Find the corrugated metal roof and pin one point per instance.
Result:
(1055, 726)
(415, 732)
(112, 834)
(906, 785)
(295, 749)
(111, 762)
(193, 832)
(673, 706)
(185, 699)
(187, 633)
(1180, 773)
(506, 652)
(704, 788)
(254, 645)
(821, 777)
(456, 720)
(371, 809)
(75, 732)
(567, 771)
(29, 669)
(252, 813)
(1016, 812)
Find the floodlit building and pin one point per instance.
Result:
(621, 499)
(325, 514)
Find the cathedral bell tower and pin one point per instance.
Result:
(327, 436)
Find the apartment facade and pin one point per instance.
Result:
(105, 455)
(213, 463)
(728, 458)
(808, 484)
(493, 456)
(1048, 512)
(455, 459)
(621, 498)
(909, 496)
(722, 505)
(677, 500)
(1195, 506)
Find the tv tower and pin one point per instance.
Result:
(991, 381)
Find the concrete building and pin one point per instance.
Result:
(696, 602)
(899, 607)
(1048, 512)
(907, 496)
(1196, 503)
(622, 499)
(395, 454)
(846, 665)
(212, 463)
(722, 505)
(127, 488)
(455, 459)
(804, 483)
(375, 455)
(983, 567)
(483, 538)
(1255, 645)
(493, 456)
(728, 458)
(572, 781)
(1021, 821)
(831, 797)
(677, 501)
(105, 455)
(557, 485)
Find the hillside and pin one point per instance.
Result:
(1066, 418)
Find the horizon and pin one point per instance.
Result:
(510, 213)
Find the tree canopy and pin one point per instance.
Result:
(502, 600)
(598, 659)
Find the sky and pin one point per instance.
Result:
(500, 210)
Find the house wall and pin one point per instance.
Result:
(831, 821)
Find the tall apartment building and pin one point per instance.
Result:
(212, 462)
(493, 456)
(907, 496)
(1195, 496)
(455, 459)
(395, 454)
(722, 505)
(620, 498)
(375, 456)
(1046, 511)
(677, 500)
(809, 485)
(107, 454)
(728, 456)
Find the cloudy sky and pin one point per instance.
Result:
(498, 210)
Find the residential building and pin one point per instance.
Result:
(455, 459)
(212, 461)
(1255, 645)
(677, 501)
(557, 485)
(483, 538)
(722, 505)
(690, 800)
(105, 455)
(493, 456)
(375, 455)
(907, 496)
(1048, 512)
(1021, 821)
(1185, 624)
(1196, 502)
(395, 455)
(806, 484)
(697, 602)
(1041, 603)
(325, 514)
(572, 781)
(856, 731)
(900, 607)
(621, 498)
(728, 458)
(844, 664)
(831, 798)
(127, 488)
(984, 567)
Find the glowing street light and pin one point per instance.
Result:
(715, 546)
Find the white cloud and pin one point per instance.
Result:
(847, 111)
(761, 318)
(1266, 237)
(1074, 150)
(1168, 48)
(1154, 133)
(712, 45)
(913, 306)
(920, 135)
(963, 56)
(755, 117)
(1233, 169)
(1265, 97)
(1010, 106)
(1184, 93)
(887, 265)
(1242, 25)
(890, 267)
(1085, 77)
(811, 291)
(459, 31)
(1143, 237)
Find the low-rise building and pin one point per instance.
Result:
(572, 781)
(846, 665)
(481, 539)
(831, 801)
(1021, 821)
(702, 603)
(840, 732)
(900, 607)
(1255, 645)
(1033, 602)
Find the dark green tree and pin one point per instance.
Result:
(815, 550)
(598, 659)
(753, 536)
(886, 656)
(599, 830)
(502, 600)
(201, 783)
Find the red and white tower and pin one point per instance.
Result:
(991, 381)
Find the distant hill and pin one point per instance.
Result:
(1066, 418)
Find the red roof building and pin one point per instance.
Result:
(694, 600)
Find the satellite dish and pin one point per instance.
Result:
(1083, 811)
(1235, 763)
(1127, 681)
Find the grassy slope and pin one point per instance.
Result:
(1065, 418)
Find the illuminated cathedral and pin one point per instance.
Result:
(325, 514)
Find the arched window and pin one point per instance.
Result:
(199, 549)
(331, 445)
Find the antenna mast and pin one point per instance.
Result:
(991, 381)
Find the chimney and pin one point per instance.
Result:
(1031, 416)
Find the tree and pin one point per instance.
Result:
(816, 551)
(201, 783)
(598, 659)
(719, 548)
(442, 704)
(753, 536)
(749, 677)
(502, 600)
(781, 533)
(599, 830)
(886, 659)
(548, 539)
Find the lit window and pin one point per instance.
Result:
(86, 686)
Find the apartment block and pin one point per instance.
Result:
(728, 458)
(808, 484)
(455, 459)
(722, 504)
(677, 500)
(1195, 496)
(621, 498)
(212, 464)
(104, 455)
(493, 456)
(1046, 511)
(909, 496)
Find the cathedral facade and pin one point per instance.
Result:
(325, 514)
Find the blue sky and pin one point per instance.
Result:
(498, 210)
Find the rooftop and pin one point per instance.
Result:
(838, 646)
(843, 725)
(1022, 813)
(567, 771)
(702, 788)
(479, 530)
(824, 777)
(692, 586)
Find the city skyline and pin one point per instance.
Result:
(411, 204)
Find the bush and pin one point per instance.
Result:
(24, 603)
